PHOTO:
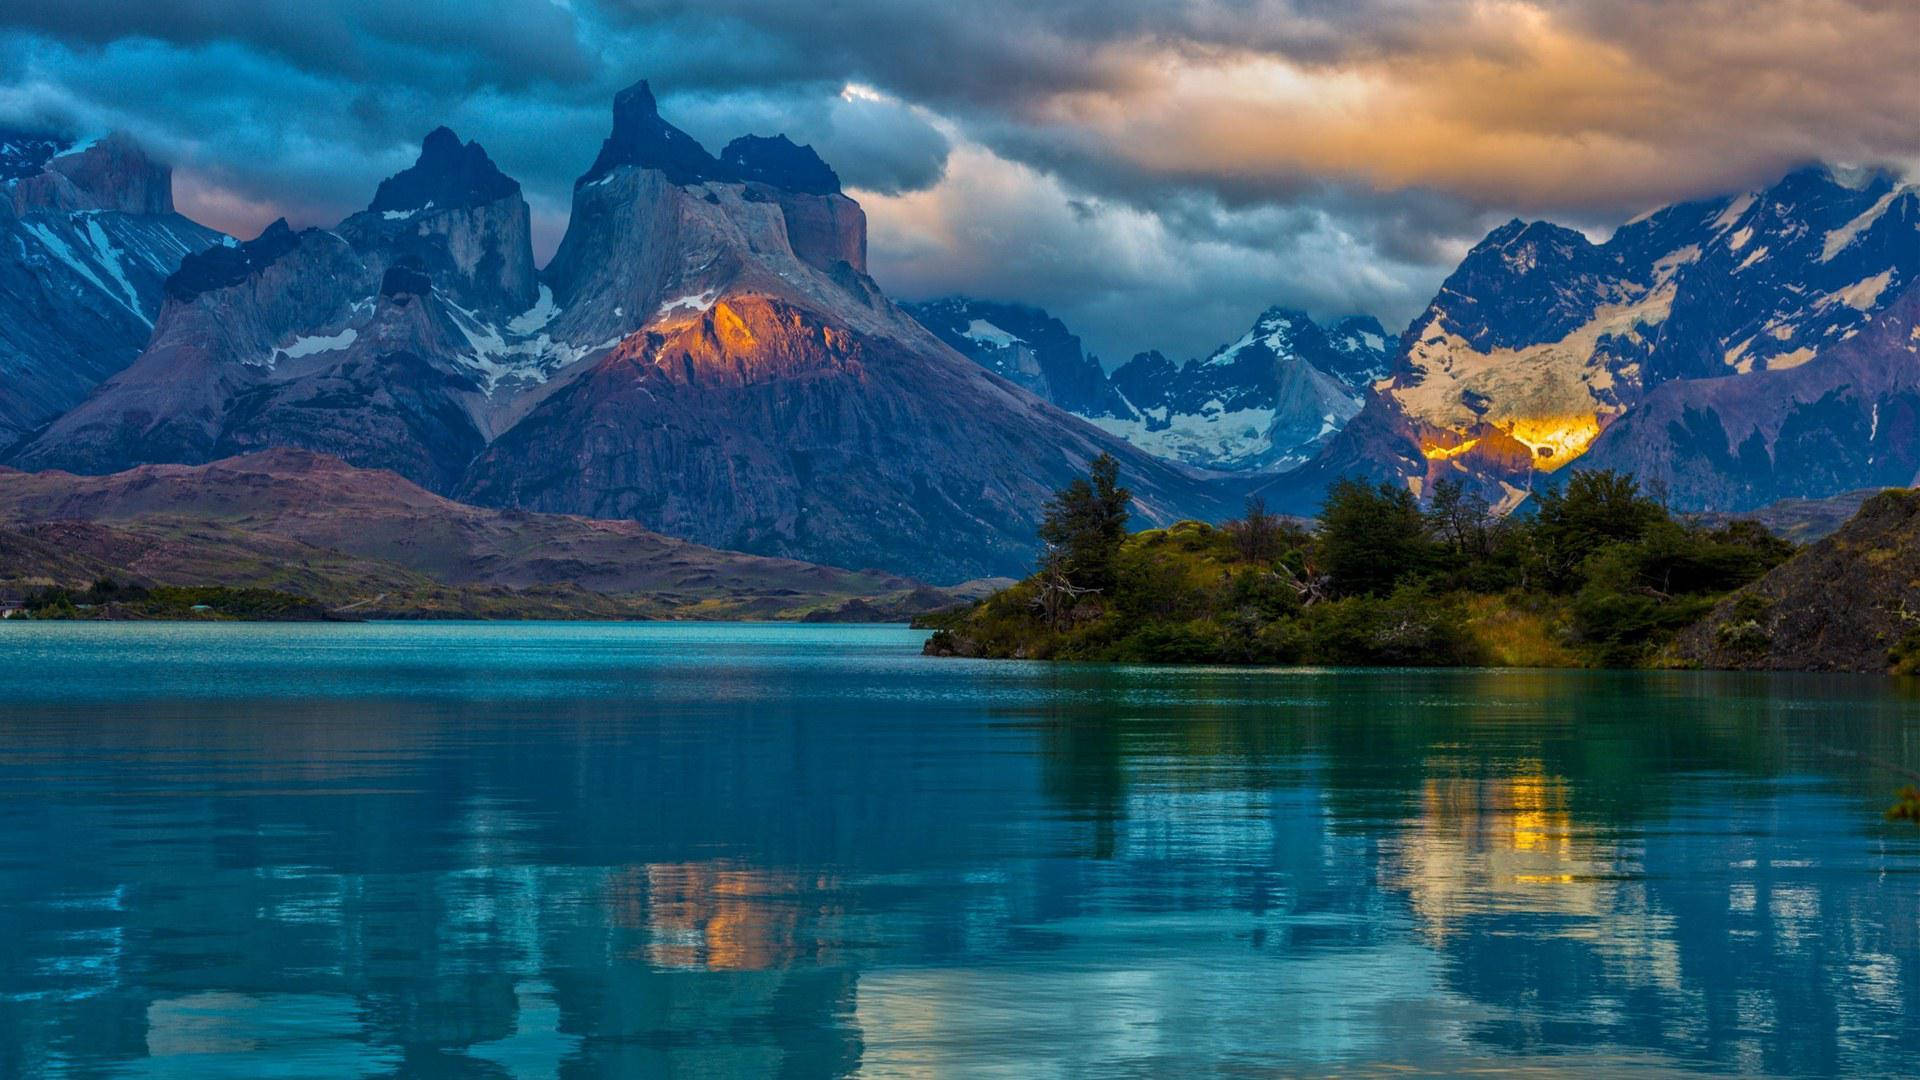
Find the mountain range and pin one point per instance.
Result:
(1266, 401)
(1730, 352)
(706, 355)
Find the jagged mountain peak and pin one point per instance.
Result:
(46, 173)
(1279, 335)
(1364, 350)
(1817, 178)
(1283, 330)
(1263, 401)
(1359, 324)
(640, 137)
(26, 151)
(1280, 315)
(1026, 346)
(1526, 247)
(448, 174)
(222, 265)
(455, 217)
(1525, 280)
(778, 161)
(1142, 376)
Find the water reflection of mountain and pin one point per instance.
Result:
(801, 868)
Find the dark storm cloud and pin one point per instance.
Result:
(875, 145)
(465, 42)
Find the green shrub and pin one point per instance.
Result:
(1408, 628)
(1743, 635)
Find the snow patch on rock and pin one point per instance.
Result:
(988, 334)
(535, 317)
(1843, 237)
(310, 344)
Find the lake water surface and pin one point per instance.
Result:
(722, 850)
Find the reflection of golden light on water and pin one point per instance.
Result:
(716, 916)
(1508, 845)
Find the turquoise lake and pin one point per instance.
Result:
(583, 850)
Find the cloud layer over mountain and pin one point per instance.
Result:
(1152, 172)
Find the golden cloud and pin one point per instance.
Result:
(1531, 105)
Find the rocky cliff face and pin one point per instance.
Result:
(705, 354)
(87, 237)
(460, 219)
(1542, 339)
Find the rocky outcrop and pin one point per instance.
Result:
(87, 237)
(1850, 602)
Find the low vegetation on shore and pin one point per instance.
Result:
(108, 599)
(1599, 573)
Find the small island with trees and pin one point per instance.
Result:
(1595, 573)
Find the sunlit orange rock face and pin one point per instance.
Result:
(742, 340)
(1481, 453)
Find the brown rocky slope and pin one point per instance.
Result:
(1850, 602)
(313, 525)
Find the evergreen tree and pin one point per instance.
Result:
(1085, 524)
